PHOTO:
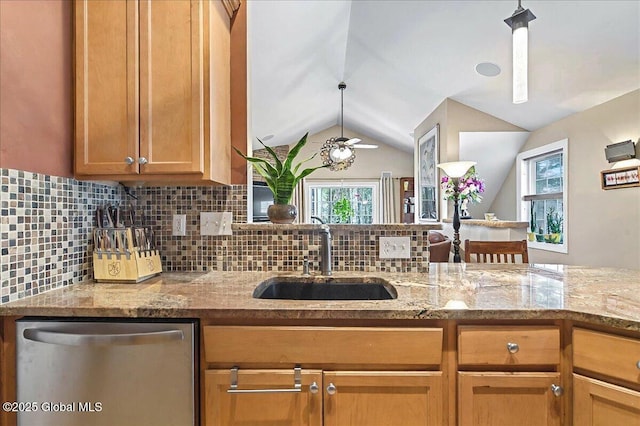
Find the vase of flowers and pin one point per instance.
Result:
(469, 188)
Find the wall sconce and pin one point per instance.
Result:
(519, 23)
(455, 170)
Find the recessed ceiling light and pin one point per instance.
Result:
(266, 138)
(487, 69)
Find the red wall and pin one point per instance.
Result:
(36, 86)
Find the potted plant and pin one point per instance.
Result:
(282, 179)
(540, 235)
(342, 208)
(554, 226)
(532, 224)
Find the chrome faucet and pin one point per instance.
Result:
(325, 249)
(318, 219)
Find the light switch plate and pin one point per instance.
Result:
(394, 247)
(179, 225)
(215, 223)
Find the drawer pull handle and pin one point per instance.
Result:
(513, 347)
(297, 385)
(557, 390)
(313, 388)
(331, 389)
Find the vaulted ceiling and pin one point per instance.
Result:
(401, 59)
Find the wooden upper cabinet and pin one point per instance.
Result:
(171, 86)
(152, 91)
(106, 87)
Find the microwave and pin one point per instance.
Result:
(262, 199)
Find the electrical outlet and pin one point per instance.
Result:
(179, 225)
(394, 248)
(215, 223)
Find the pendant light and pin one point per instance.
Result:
(519, 23)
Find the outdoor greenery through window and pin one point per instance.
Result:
(542, 195)
(352, 203)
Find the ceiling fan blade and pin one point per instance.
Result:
(353, 141)
(366, 146)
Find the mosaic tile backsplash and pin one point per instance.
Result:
(46, 225)
(45, 230)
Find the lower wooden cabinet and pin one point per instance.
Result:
(502, 398)
(303, 408)
(331, 398)
(404, 398)
(597, 403)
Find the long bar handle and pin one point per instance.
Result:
(125, 339)
(297, 384)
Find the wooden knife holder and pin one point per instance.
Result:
(117, 259)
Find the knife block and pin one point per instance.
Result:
(117, 259)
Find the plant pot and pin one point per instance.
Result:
(282, 213)
(556, 238)
(540, 238)
(547, 238)
(531, 236)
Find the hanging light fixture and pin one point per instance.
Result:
(339, 153)
(519, 23)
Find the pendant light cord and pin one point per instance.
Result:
(342, 111)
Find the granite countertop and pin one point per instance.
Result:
(497, 223)
(604, 296)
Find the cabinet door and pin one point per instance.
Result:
(523, 399)
(383, 398)
(268, 408)
(171, 86)
(106, 87)
(604, 404)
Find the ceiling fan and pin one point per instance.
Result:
(339, 153)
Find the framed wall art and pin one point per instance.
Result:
(427, 179)
(620, 178)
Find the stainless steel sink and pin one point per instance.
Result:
(325, 288)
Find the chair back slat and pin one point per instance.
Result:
(496, 251)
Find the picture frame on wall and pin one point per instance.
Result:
(427, 176)
(620, 178)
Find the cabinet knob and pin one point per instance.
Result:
(557, 390)
(513, 347)
(313, 387)
(638, 364)
(129, 160)
(331, 389)
(142, 160)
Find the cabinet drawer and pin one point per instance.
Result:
(607, 354)
(323, 345)
(508, 345)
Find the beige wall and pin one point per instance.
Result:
(36, 94)
(453, 118)
(603, 226)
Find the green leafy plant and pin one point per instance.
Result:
(554, 222)
(281, 177)
(342, 208)
(533, 218)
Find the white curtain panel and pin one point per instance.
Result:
(388, 190)
(298, 201)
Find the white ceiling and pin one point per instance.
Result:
(401, 59)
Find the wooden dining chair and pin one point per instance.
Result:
(496, 251)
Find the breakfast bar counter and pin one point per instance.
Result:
(603, 296)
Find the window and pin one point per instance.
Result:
(542, 195)
(342, 202)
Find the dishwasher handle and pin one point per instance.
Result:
(119, 339)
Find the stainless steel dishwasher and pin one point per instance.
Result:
(122, 372)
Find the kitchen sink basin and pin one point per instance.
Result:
(325, 288)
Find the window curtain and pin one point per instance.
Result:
(298, 200)
(388, 190)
